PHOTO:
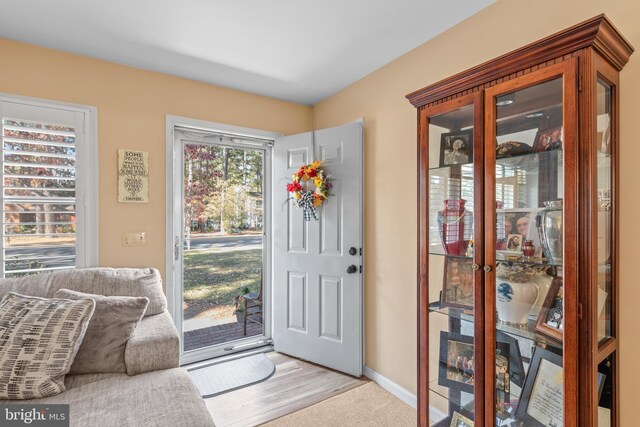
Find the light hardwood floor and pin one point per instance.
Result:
(294, 386)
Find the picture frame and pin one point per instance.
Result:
(514, 242)
(459, 420)
(457, 283)
(456, 148)
(516, 365)
(548, 140)
(541, 403)
(456, 368)
(551, 318)
(466, 412)
(518, 221)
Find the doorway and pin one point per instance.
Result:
(221, 238)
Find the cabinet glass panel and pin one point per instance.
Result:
(604, 240)
(529, 256)
(451, 279)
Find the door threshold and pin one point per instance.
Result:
(266, 348)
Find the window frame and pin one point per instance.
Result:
(87, 212)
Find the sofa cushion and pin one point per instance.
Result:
(39, 339)
(154, 345)
(131, 282)
(111, 326)
(164, 398)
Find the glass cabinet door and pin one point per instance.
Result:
(604, 148)
(530, 135)
(452, 207)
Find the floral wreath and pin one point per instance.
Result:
(304, 195)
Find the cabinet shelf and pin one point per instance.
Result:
(522, 261)
(449, 167)
(524, 162)
(459, 398)
(466, 315)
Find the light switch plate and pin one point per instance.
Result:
(136, 238)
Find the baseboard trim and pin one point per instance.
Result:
(398, 391)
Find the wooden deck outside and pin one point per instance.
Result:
(218, 334)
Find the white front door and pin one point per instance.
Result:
(318, 286)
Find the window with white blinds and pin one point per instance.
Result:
(46, 225)
(444, 187)
(511, 183)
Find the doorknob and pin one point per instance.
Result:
(352, 251)
(352, 269)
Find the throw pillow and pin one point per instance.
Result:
(110, 328)
(39, 338)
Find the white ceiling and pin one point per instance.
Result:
(297, 50)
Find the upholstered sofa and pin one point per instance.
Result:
(154, 391)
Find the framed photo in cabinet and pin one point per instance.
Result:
(457, 362)
(551, 318)
(459, 420)
(541, 402)
(516, 367)
(457, 283)
(548, 140)
(456, 148)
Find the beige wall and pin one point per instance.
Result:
(132, 106)
(390, 159)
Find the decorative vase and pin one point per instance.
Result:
(549, 224)
(516, 293)
(528, 249)
(455, 225)
(515, 301)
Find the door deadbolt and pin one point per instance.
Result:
(352, 251)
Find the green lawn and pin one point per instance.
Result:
(218, 277)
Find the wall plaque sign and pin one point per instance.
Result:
(133, 176)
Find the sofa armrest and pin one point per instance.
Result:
(154, 345)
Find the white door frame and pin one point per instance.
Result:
(173, 229)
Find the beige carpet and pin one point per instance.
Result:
(368, 405)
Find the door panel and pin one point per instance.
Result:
(322, 321)
(330, 224)
(297, 232)
(330, 307)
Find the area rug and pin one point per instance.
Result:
(367, 405)
(220, 378)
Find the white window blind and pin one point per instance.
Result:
(43, 210)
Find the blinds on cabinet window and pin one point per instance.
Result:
(43, 211)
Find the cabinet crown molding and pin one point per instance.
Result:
(597, 32)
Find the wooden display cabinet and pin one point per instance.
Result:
(518, 225)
